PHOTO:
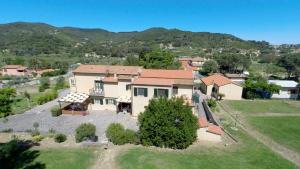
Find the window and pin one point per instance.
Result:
(175, 90)
(98, 101)
(292, 91)
(161, 93)
(110, 101)
(128, 87)
(5, 70)
(98, 85)
(73, 82)
(140, 92)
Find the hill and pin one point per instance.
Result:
(28, 39)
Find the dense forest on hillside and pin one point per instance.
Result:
(28, 39)
(40, 45)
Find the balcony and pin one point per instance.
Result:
(96, 92)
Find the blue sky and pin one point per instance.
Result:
(276, 21)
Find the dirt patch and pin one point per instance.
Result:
(107, 157)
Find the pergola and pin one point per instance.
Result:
(124, 103)
(76, 102)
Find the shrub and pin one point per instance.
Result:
(35, 133)
(9, 130)
(168, 123)
(85, 131)
(119, 136)
(37, 138)
(56, 111)
(44, 84)
(48, 96)
(212, 103)
(59, 138)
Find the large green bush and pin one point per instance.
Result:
(119, 136)
(168, 123)
(85, 131)
(46, 97)
(56, 111)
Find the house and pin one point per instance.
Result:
(15, 70)
(289, 89)
(238, 78)
(160, 83)
(218, 84)
(128, 88)
(194, 64)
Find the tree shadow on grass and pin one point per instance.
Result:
(16, 154)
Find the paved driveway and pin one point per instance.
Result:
(65, 123)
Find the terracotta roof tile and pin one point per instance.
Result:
(125, 77)
(217, 79)
(215, 130)
(13, 66)
(153, 81)
(103, 69)
(110, 80)
(202, 121)
(169, 74)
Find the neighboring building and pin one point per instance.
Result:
(289, 89)
(15, 70)
(217, 84)
(128, 88)
(194, 64)
(238, 78)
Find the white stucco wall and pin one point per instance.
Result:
(139, 102)
(231, 91)
(284, 93)
(84, 82)
(185, 90)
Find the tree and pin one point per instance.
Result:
(233, 62)
(159, 59)
(291, 63)
(258, 87)
(6, 100)
(210, 66)
(28, 97)
(44, 84)
(131, 61)
(168, 123)
(60, 83)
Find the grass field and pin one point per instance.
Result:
(265, 106)
(284, 130)
(247, 154)
(65, 158)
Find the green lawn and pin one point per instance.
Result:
(66, 158)
(249, 154)
(284, 130)
(265, 106)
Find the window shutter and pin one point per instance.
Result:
(145, 92)
(155, 92)
(167, 93)
(135, 91)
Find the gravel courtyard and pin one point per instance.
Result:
(66, 124)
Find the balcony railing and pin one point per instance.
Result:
(96, 92)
